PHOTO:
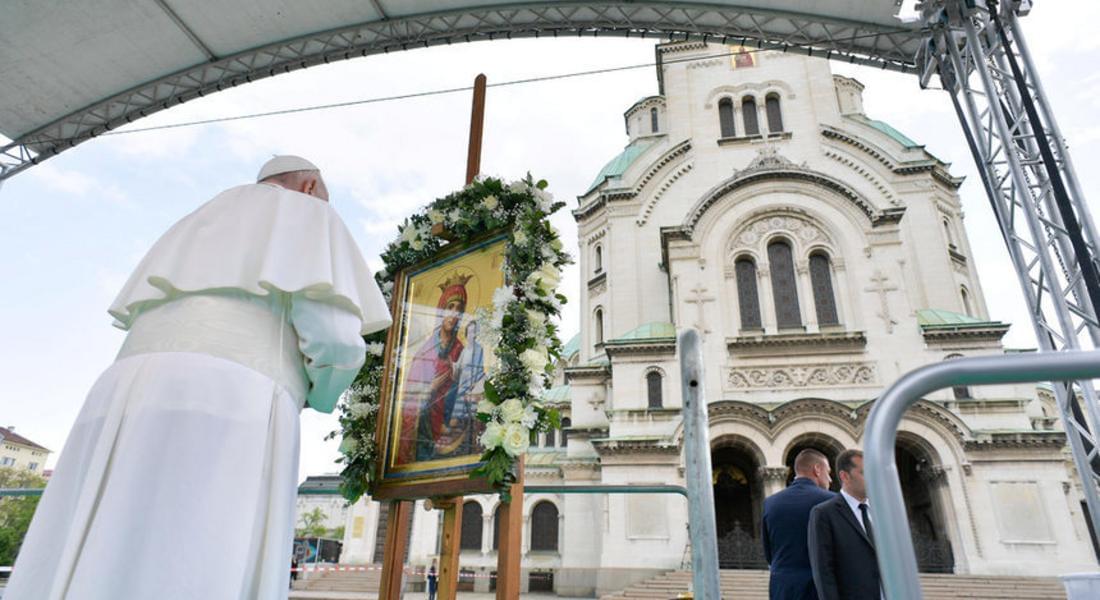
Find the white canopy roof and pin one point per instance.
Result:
(71, 70)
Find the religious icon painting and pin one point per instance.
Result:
(741, 57)
(435, 373)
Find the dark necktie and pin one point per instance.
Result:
(866, 523)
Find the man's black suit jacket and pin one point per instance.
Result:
(842, 558)
(784, 530)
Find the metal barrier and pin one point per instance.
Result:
(893, 539)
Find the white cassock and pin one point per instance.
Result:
(178, 479)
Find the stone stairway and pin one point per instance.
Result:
(753, 585)
(349, 580)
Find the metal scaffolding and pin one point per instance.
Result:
(977, 49)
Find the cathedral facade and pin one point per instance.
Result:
(822, 254)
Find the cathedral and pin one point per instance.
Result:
(822, 254)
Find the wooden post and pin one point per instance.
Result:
(448, 556)
(510, 544)
(393, 559)
(477, 125)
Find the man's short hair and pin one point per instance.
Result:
(805, 461)
(846, 461)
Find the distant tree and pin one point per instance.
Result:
(337, 534)
(16, 511)
(313, 524)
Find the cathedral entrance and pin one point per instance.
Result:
(738, 500)
(920, 480)
(823, 444)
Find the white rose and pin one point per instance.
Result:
(518, 186)
(537, 319)
(408, 232)
(492, 436)
(485, 407)
(417, 244)
(435, 216)
(363, 409)
(376, 348)
(534, 359)
(348, 445)
(530, 417)
(520, 238)
(490, 202)
(516, 439)
(511, 411)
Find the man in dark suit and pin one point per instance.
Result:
(784, 527)
(842, 539)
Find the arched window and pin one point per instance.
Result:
(566, 423)
(822, 282)
(498, 514)
(961, 392)
(550, 442)
(653, 119)
(471, 527)
(947, 233)
(599, 259)
(784, 288)
(966, 300)
(544, 527)
(725, 118)
(653, 389)
(747, 298)
(775, 116)
(599, 326)
(748, 111)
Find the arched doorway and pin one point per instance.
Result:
(920, 479)
(817, 441)
(738, 499)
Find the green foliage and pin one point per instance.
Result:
(313, 524)
(517, 329)
(16, 511)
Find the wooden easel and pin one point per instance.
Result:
(511, 527)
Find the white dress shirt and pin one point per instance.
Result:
(854, 505)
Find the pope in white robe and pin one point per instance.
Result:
(178, 479)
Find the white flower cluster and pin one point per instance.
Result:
(376, 348)
(416, 235)
(509, 426)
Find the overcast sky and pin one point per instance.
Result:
(72, 228)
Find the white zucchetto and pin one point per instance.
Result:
(285, 163)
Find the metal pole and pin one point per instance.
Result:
(701, 526)
(893, 540)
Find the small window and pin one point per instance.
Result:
(599, 326)
(775, 117)
(566, 423)
(725, 118)
(947, 233)
(599, 259)
(748, 111)
(965, 300)
(653, 120)
(32, 466)
(471, 527)
(961, 392)
(653, 387)
(544, 527)
(748, 301)
(784, 286)
(7, 461)
(822, 283)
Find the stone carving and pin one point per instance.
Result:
(802, 376)
(800, 227)
(881, 289)
(777, 474)
(698, 299)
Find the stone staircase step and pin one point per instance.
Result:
(753, 585)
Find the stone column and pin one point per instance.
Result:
(768, 318)
(486, 533)
(774, 479)
(806, 304)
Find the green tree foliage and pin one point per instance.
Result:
(16, 511)
(313, 524)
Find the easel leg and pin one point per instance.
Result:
(448, 560)
(511, 539)
(393, 560)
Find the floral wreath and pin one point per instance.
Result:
(517, 328)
